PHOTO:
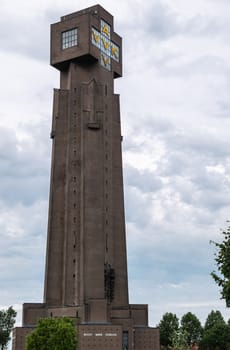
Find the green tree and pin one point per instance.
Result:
(179, 340)
(168, 326)
(214, 318)
(216, 338)
(191, 325)
(53, 333)
(216, 333)
(222, 259)
(7, 321)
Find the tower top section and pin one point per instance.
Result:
(87, 36)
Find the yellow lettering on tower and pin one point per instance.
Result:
(96, 37)
(114, 51)
(105, 60)
(105, 30)
(105, 43)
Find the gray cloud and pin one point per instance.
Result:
(162, 21)
(174, 103)
(24, 167)
(29, 36)
(146, 181)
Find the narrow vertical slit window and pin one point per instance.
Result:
(125, 340)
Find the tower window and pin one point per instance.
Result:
(69, 38)
(125, 340)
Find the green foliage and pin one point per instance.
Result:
(216, 333)
(168, 326)
(216, 338)
(7, 321)
(179, 340)
(213, 319)
(191, 326)
(222, 259)
(53, 333)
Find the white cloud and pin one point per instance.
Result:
(175, 118)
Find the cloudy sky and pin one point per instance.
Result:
(175, 109)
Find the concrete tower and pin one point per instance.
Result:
(86, 263)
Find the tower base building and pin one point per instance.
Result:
(86, 263)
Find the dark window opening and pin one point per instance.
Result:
(125, 340)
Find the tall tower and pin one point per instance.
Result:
(86, 262)
(86, 252)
